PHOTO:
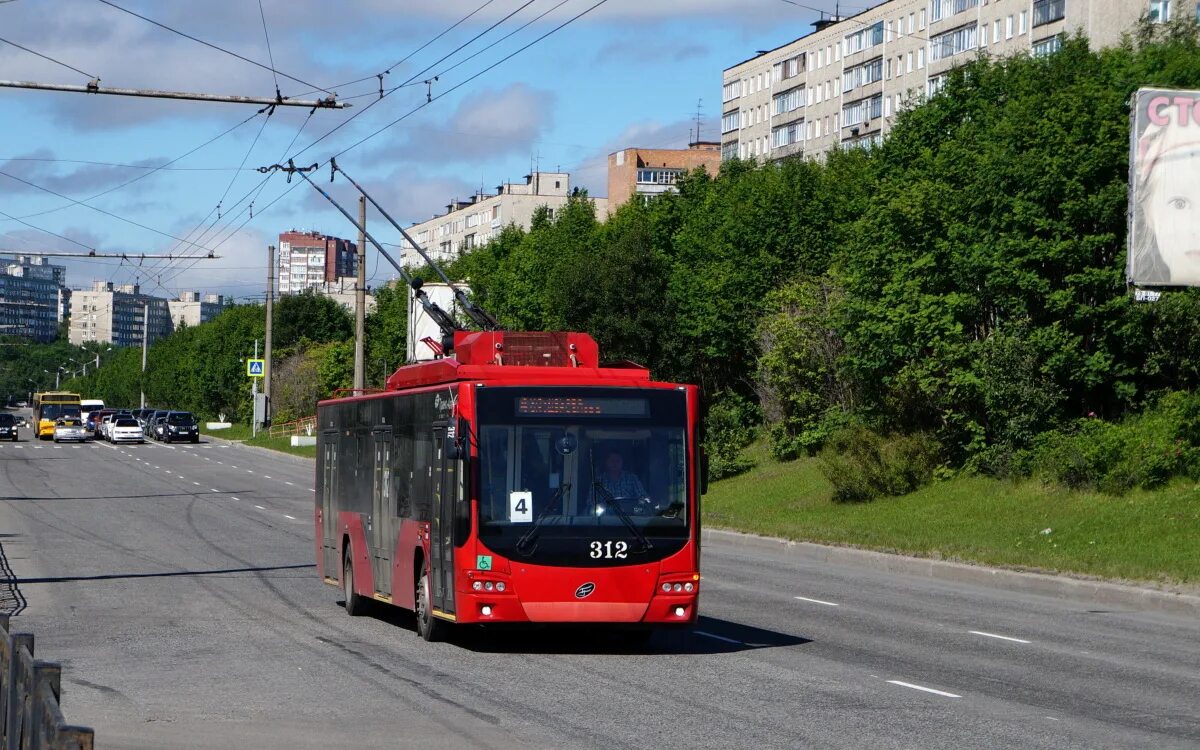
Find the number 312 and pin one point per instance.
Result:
(609, 550)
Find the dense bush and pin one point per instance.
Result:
(1143, 451)
(862, 465)
(729, 427)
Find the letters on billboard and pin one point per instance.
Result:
(1164, 189)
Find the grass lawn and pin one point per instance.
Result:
(1145, 535)
(242, 433)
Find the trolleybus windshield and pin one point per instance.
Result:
(583, 476)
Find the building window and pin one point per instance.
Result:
(864, 38)
(863, 110)
(788, 101)
(731, 91)
(787, 134)
(996, 30)
(936, 83)
(729, 150)
(861, 75)
(920, 58)
(1047, 46)
(731, 121)
(908, 62)
(1160, 10)
(921, 25)
(953, 42)
(1024, 18)
(658, 176)
(1046, 11)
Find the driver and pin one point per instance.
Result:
(617, 481)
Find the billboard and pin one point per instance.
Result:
(1164, 189)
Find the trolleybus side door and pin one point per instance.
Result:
(383, 529)
(441, 526)
(333, 565)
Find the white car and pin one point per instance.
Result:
(126, 430)
(70, 428)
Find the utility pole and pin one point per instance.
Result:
(270, 315)
(360, 299)
(254, 398)
(145, 347)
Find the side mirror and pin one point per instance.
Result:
(703, 472)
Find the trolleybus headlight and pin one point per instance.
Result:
(677, 587)
(689, 587)
(478, 585)
(500, 585)
(667, 587)
(488, 586)
(486, 611)
(680, 611)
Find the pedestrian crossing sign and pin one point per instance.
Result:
(254, 367)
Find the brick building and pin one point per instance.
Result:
(651, 171)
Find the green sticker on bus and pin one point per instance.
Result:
(483, 562)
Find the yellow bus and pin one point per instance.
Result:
(51, 405)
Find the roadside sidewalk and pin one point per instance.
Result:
(1092, 590)
(259, 449)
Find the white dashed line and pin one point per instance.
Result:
(260, 507)
(815, 601)
(285, 515)
(195, 483)
(717, 637)
(289, 484)
(311, 490)
(998, 637)
(235, 498)
(210, 489)
(249, 471)
(266, 476)
(924, 689)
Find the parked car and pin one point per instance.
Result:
(126, 430)
(97, 419)
(159, 426)
(153, 416)
(111, 420)
(70, 428)
(181, 425)
(8, 427)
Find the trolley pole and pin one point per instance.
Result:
(360, 299)
(270, 315)
(145, 348)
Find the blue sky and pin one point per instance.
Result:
(627, 74)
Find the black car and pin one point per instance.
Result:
(158, 425)
(180, 425)
(8, 427)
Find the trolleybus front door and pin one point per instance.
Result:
(441, 526)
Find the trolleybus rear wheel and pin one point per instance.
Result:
(354, 602)
(428, 627)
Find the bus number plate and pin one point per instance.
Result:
(608, 550)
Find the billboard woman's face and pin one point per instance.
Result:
(1172, 209)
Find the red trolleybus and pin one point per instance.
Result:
(515, 481)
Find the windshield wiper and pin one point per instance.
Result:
(530, 536)
(612, 502)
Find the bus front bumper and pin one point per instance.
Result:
(487, 607)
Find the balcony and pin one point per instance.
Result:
(1048, 11)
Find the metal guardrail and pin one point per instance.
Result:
(304, 426)
(30, 715)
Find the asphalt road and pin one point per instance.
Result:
(176, 585)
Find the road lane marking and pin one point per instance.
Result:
(206, 458)
(260, 507)
(311, 490)
(999, 637)
(285, 515)
(289, 484)
(717, 637)
(815, 601)
(924, 689)
(249, 471)
(235, 498)
(210, 489)
(266, 476)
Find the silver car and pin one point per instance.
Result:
(70, 428)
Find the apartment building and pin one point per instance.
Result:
(34, 298)
(844, 83)
(310, 259)
(474, 222)
(115, 314)
(191, 309)
(653, 171)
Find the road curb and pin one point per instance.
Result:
(259, 449)
(1091, 591)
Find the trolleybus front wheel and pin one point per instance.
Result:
(354, 602)
(428, 627)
